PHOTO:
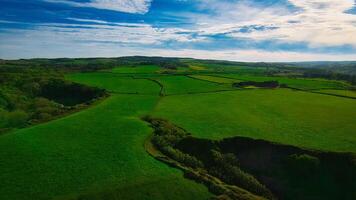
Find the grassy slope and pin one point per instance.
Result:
(185, 85)
(91, 151)
(116, 83)
(347, 93)
(306, 84)
(215, 79)
(286, 116)
(137, 70)
(101, 149)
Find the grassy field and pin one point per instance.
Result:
(215, 79)
(117, 84)
(186, 85)
(142, 69)
(347, 93)
(93, 150)
(100, 151)
(297, 118)
(300, 83)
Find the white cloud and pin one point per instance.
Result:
(317, 22)
(253, 55)
(78, 40)
(321, 23)
(128, 6)
(133, 34)
(53, 45)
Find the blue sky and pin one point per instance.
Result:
(244, 30)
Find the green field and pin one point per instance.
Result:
(117, 84)
(346, 93)
(215, 79)
(141, 69)
(299, 83)
(100, 150)
(187, 85)
(297, 118)
(93, 150)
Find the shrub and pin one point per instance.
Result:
(3, 101)
(3, 120)
(226, 168)
(265, 84)
(16, 118)
(303, 164)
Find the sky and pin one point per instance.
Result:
(240, 30)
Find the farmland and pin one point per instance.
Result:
(291, 117)
(94, 150)
(99, 152)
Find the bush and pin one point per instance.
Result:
(3, 101)
(16, 118)
(226, 167)
(166, 136)
(3, 120)
(265, 84)
(303, 164)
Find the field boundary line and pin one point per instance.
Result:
(322, 93)
(191, 76)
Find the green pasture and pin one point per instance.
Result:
(215, 79)
(95, 150)
(99, 152)
(298, 118)
(117, 84)
(140, 69)
(188, 85)
(347, 93)
(299, 83)
(218, 67)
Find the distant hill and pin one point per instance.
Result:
(345, 67)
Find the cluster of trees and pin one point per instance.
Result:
(30, 95)
(68, 93)
(321, 73)
(94, 64)
(65, 64)
(166, 137)
(342, 67)
(303, 164)
(264, 84)
(165, 63)
(226, 167)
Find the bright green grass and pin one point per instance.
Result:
(347, 93)
(214, 67)
(215, 79)
(186, 85)
(94, 150)
(290, 117)
(300, 83)
(145, 69)
(115, 83)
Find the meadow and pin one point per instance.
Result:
(99, 152)
(209, 107)
(346, 93)
(298, 83)
(290, 117)
(116, 83)
(91, 151)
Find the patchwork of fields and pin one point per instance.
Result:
(96, 150)
(100, 150)
(291, 117)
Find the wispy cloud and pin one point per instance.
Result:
(318, 22)
(250, 30)
(128, 6)
(100, 32)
